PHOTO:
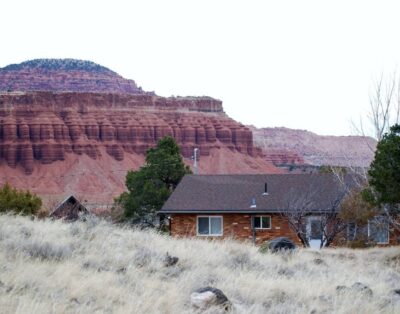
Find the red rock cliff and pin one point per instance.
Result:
(74, 127)
(45, 126)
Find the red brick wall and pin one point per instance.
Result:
(236, 226)
(394, 236)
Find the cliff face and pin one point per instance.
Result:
(283, 146)
(57, 144)
(74, 127)
(45, 126)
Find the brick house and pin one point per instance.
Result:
(251, 207)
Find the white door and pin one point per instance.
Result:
(314, 232)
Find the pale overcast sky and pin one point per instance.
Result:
(300, 64)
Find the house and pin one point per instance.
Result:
(69, 209)
(255, 207)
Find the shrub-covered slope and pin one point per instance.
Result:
(93, 266)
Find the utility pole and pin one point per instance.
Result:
(196, 170)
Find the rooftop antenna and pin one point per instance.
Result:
(196, 170)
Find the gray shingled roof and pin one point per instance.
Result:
(235, 193)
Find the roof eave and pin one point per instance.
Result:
(239, 211)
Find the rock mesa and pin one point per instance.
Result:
(45, 126)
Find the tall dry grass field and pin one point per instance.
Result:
(96, 267)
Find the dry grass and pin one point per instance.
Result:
(93, 266)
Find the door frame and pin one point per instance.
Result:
(314, 243)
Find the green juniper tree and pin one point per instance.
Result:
(384, 177)
(385, 169)
(150, 186)
(19, 202)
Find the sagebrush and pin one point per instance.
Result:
(96, 267)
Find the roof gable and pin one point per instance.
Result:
(69, 208)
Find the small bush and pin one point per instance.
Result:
(19, 202)
(47, 251)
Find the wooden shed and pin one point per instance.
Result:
(69, 209)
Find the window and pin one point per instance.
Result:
(378, 230)
(356, 232)
(262, 222)
(351, 231)
(209, 225)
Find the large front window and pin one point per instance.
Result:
(209, 225)
(378, 230)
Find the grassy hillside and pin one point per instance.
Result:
(95, 267)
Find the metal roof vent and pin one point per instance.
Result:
(253, 203)
(265, 189)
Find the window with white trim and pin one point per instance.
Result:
(262, 222)
(378, 230)
(209, 226)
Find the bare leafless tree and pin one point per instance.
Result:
(296, 209)
(309, 201)
(384, 107)
(332, 224)
(384, 112)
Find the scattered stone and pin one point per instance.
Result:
(396, 291)
(356, 287)
(347, 256)
(286, 272)
(278, 296)
(281, 244)
(360, 287)
(318, 261)
(102, 268)
(75, 300)
(204, 298)
(5, 288)
(325, 298)
(121, 270)
(26, 233)
(170, 260)
(341, 289)
(86, 265)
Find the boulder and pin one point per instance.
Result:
(170, 260)
(318, 261)
(360, 287)
(341, 289)
(278, 244)
(357, 287)
(206, 297)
